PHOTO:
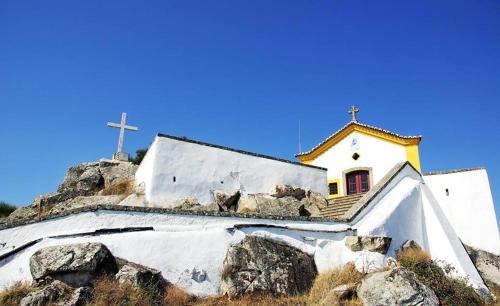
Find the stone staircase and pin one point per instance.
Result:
(337, 207)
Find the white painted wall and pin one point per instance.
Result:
(374, 153)
(406, 209)
(469, 207)
(180, 243)
(200, 169)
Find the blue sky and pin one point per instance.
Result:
(242, 74)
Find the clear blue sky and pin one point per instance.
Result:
(242, 74)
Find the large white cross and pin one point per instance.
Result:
(122, 126)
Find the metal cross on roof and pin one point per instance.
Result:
(122, 126)
(353, 110)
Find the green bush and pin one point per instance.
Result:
(450, 291)
(139, 155)
(6, 209)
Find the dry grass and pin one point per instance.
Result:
(13, 295)
(174, 296)
(123, 188)
(255, 299)
(413, 255)
(495, 291)
(326, 281)
(108, 291)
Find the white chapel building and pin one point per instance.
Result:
(350, 168)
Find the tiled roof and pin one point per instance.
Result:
(362, 125)
(453, 171)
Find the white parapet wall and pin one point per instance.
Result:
(175, 168)
(177, 244)
(465, 198)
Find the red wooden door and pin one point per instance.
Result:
(357, 182)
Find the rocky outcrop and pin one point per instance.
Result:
(226, 201)
(73, 264)
(397, 286)
(264, 204)
(142, 277)
(79, 297)
(258, 264)
(378, 244)
(281, 191)
(104, 182)
(487, 264)
(95, 176)
(46, 295)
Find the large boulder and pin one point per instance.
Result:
(487, 264)
(73, 264)
(89, 178)
(49, 294)
(259, 264)
(378, 244)
(397, 286)
(264, 204)
(142, 277)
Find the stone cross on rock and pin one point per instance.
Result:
(353, 110)
(120, 155)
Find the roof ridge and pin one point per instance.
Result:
(185, 139)
(453, 171)
(359, 124)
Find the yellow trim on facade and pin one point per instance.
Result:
(332, 196)
(309, 158)
(413, 157)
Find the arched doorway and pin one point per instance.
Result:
(358, 181)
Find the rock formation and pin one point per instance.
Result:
(397, 286)
(368, 243)
(487, 264)
(258, 264)
(73, 264)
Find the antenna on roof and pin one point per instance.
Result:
(300, 146)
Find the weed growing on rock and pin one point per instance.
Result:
(450, 291)
(13, 295)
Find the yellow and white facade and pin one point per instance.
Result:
(360, 148)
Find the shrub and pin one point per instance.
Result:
(450, 291)
(13, 295)
(139, 156)
(6, 209)
(326, 281)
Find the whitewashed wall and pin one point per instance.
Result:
(468, 206)
(200, 169)
(374, 153)
(405, 209)
(180, 243)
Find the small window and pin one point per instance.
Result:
(355, 156)
(174, 179)
(447, 192)
(333, 188)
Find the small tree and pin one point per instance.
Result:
(6, 209)
(139, 155)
